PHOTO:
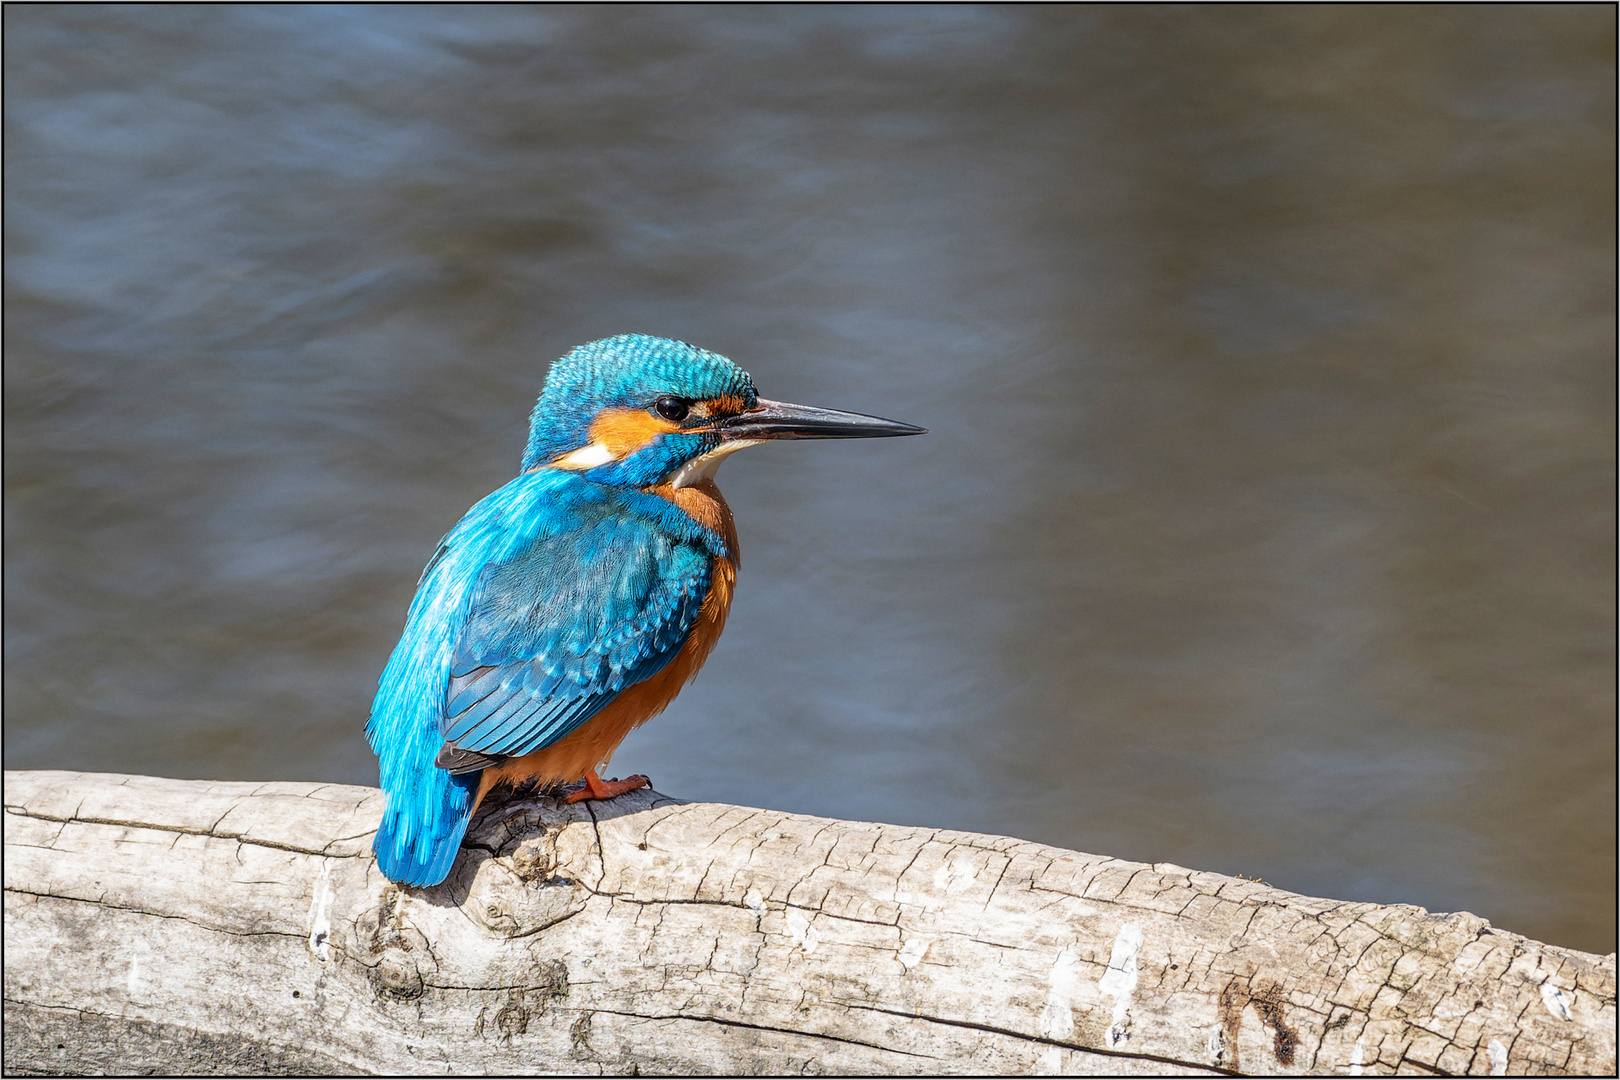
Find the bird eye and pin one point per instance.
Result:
(672, 408)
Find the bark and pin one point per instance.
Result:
(189, 926)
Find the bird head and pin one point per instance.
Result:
(640, 411)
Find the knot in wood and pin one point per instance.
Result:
(396, 975)
(535, 859)
(506, 903)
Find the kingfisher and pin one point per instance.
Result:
(570, 606)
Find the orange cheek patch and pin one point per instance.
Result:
(624, 431)
(726, 405)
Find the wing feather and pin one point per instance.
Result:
(558, 631)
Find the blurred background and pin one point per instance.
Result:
(1267, 523)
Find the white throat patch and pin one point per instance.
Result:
(586, 457)
(702, 468)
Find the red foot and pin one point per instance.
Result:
(598, 788)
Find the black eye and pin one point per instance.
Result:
(672, 408)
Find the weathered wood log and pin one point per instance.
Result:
(188, 926)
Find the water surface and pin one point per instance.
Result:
(1267, 521)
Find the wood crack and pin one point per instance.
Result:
(875, 943)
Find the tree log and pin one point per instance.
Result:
(191, 926)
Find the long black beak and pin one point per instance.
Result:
(779, 420)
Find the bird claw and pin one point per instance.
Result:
(597, 788)
(532, 787)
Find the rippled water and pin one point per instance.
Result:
(1266, 526)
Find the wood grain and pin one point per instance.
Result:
(192, 926)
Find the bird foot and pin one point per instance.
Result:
(598, 788)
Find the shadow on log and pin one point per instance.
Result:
(177, 926)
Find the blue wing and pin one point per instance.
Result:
(546, 600)
(554, 633)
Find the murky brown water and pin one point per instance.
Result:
(1267, 525)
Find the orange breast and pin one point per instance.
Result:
(595, 740)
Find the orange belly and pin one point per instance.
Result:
(594, 741)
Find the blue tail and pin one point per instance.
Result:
(428, 809)
(422, 828)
